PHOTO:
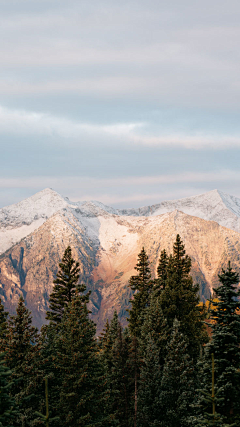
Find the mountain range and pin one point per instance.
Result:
(106, 241)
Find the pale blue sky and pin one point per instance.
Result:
(129, 103)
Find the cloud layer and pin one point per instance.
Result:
(120, 101)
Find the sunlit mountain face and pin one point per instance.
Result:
(35, 232)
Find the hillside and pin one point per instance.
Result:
(106, 244)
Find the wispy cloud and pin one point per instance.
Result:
(88, 183)
(20, 122)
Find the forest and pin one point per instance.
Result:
(176, 364)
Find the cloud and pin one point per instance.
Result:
(20, 122)
(90, 183)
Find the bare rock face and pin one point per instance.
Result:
(106, 242)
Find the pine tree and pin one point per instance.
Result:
(107, 340)
(156, 327)
(20, 349)
(180, 299)
(45, 360)
(65, 287)
(224, 345)
(115, 346)
(149, 392)
(178, 382)
(162, 273)
(77, 361)
(3, 325)
(134, 362)
(121, 378)
(142, 285)
(7, 404)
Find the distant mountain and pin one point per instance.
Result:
(35, 232)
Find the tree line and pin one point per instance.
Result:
(164, 370)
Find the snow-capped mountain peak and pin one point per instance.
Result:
(21, 219)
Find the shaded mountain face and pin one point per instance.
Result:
(34, 234)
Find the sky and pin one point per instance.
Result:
(129, 103)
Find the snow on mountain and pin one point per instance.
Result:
(211, 206)
(19, 220)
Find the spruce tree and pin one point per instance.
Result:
(156, 327)
(20, 350)
(224, 345)
(115, 345)
(142, 285)
(180, 299)
(150, 411)
(7, 403)
(162, 273)
(121, 378)
(65, 287)
(77, 361)
(3, 325)
(178, 382)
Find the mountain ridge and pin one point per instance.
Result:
(107, 245)
(19, 220)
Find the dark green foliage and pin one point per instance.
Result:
(225, 347)
(178, 382)
(156, 327)
(7, 403)
(150, 411)
(20, 351)
(121, 380)
(142, 285)
(115, 346)
(65, 287)
(3, 324)
(79, 368)
(162, 273)
(180, 299)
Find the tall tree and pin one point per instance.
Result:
(225, 346)
(149, 391)
(65, 287)
(142, 285)
(115, 347)
(180, 299)
(77, 361)
(162, 273)
(20, 350)
(3, 325)
(121, 378)
(7, 403)
(178, 382)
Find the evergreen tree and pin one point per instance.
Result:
(77, 361)
(20, 350)
(155, 327)
(108, 339)
(121, 378)
(150, 411)
(3, 325)
(180, 299)
(115, 346)
(178, 382)
(7, 403)
(134, 361)
(65, 287)
(162, 273)
(142, 285)
(224, 345)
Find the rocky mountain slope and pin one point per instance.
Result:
(34, 234)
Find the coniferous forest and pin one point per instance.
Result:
(177, 364)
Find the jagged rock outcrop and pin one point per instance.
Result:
(106, 244)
